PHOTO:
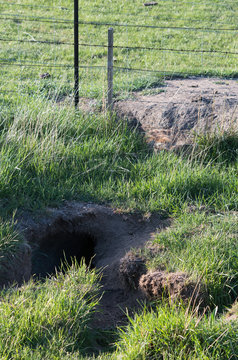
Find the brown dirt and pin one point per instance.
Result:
(131, 268)
(76, 227)
(178, 285)
(183, 108)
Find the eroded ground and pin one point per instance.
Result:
(172, 114)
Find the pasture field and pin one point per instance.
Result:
(50, 153)
(177, 31)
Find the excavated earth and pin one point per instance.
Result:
(91, 231)
(180, 109)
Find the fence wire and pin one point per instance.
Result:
(34, 54)
(114, 24)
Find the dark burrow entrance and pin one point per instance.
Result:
(60, 248)
(100, 235)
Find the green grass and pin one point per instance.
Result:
(49, 153)
(171, 333)
(221, 147)
(10, 239)
(206, 247)
(172, 16)
(48, 320)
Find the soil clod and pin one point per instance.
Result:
(178, 285)
(131, 268)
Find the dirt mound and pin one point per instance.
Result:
(160, 284)
(98, 232)
(131, 268)
(181, 109)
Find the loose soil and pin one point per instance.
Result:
(98, 232)
(174, 113)
(232, 314)
(175, 286)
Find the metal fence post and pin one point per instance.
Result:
(76, 53)
(110, 69)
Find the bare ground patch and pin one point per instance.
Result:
(183, 108)
(99, 234)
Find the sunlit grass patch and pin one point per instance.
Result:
(204, 246)
(50, 318)
(172, 333)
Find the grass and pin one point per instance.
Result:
(10, 239)
(204, 246)
(49, 153)
(220, 147)
(174, 18)
(170, 333)
(48, 319)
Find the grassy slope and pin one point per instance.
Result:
(49, 154)
(172, 334)
(206, 247)
(48, 320)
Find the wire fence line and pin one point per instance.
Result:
(21, 62)
(157, 18)
(121, 47)
(115, 24)
(209, 3)
(35, 6)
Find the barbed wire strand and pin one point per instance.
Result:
(95, 23)
(225, 52)
(5, 62)
(116, 68)
(35, 6)
(172, 2)
(111, 13)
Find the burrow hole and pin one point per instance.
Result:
(62, 247)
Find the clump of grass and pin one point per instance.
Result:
(206, 247)
(172, 333)
(219, 147)
(10, 239)
(49, 153)
(50, 318)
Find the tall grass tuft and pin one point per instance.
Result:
(204, 246)
(10, 239)
(49, 318)
(219, 147)
(174, 334)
